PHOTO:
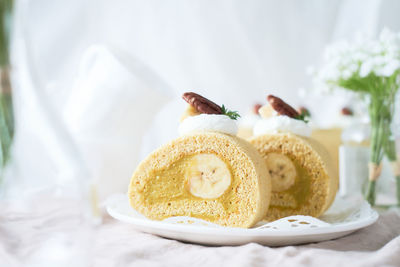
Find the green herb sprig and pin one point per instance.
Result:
(302, 117)
(234, 115)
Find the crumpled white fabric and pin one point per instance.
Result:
(376, 245)
(95, 134)
(108, 111)
(26, 236)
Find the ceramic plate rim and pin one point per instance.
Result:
(229, 231)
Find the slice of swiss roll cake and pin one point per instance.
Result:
(207, 173)
(304, 180)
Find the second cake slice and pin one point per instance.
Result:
(304, 180)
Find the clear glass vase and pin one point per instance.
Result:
(382, 143)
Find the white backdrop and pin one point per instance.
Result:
(98, 83)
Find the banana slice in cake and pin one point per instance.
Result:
(208, 176)
(212, 176)
(282, 171)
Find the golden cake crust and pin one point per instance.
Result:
(319, 192)
(243, 205)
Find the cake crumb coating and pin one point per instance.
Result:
(244, 203)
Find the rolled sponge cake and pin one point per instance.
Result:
(316, 182)
(159, 186)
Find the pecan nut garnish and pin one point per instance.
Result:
(256, 108)
(281, 107)
(347, 111)
(201, 104)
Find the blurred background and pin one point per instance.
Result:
(97, 84)
(101, 82)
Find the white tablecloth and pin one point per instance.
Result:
(114, 243)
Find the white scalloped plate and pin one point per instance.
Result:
(343, 218)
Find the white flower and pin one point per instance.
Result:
(388, 69)
(360, 58)
(353, 67)
(366, 68)
(346, 74)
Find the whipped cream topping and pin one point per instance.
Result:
(208, 122)
(281, 124)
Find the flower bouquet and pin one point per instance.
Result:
(371, 68)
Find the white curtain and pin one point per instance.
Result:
(98, 83)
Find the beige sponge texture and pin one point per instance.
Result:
(316, 184)
(158, 188)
